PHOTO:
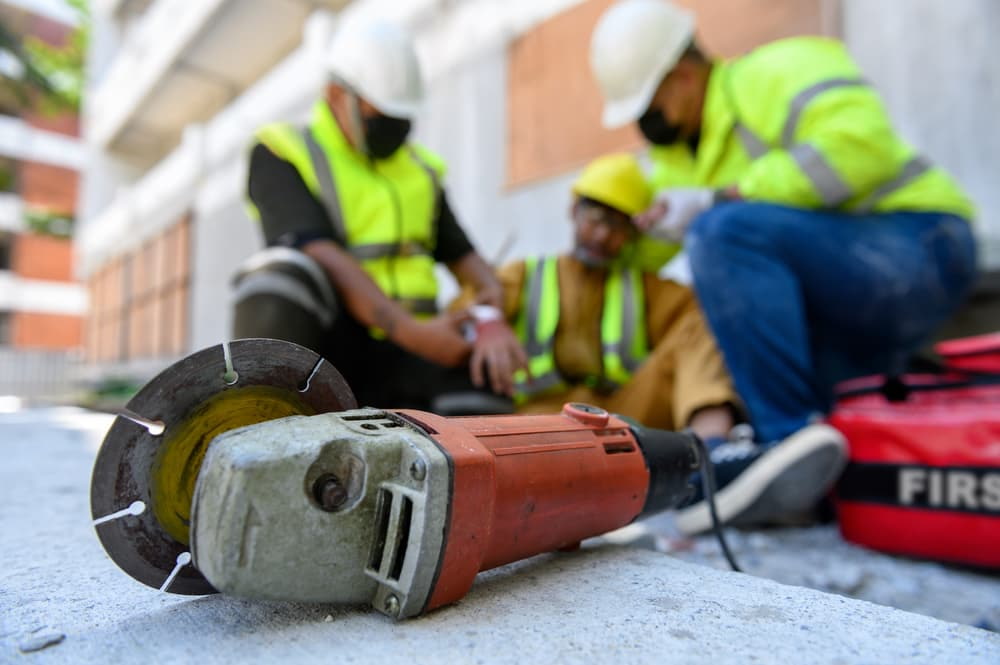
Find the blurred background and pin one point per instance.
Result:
(125, 126)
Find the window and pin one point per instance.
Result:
(6, 328)
(6, 250)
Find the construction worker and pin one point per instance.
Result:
(355, 218)
(821, 245)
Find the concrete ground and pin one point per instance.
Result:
(63, 601)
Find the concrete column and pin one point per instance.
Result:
(936, 65)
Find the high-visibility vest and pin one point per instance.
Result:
(794, 123)
(623, 329)
(383, 211)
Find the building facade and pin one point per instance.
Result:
(42, 302)
(176, 89)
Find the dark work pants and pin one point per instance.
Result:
(379, 373)
(800, 299)
(383, 375)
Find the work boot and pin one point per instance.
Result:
(762, 484)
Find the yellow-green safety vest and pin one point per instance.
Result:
(623, 329)
(383, 211)
(794, 123)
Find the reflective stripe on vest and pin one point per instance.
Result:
(378, 250)
(828, 184)
(623, 329)
(536, 328)
(623, 325)
(914, 168)
(327, 188)
(752, 143)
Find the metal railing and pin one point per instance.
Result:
(36, 375)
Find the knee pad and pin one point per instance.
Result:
(281, 293)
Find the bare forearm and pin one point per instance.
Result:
(712, 421)
(360, 295)
(474, 273)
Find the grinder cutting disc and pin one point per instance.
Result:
(153, 452)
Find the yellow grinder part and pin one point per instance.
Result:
(175, 468)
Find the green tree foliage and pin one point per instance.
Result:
(51, 77)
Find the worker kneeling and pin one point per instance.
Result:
(600, 331)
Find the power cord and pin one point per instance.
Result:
(708, 488)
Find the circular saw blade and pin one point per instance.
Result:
(272, 379)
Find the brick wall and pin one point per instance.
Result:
(139, 301)
(42, 257)
(48, 30)
(50, 259)
(48, 187)
(61, 123)
(103, 338)
(34, 330)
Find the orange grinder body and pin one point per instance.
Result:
(524, 485)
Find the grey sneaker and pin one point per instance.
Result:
(761, 484)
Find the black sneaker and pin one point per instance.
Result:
(761, 484)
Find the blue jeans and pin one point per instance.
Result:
(800, 300)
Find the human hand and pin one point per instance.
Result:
(497, 353)
(673, 211)
(438, 340)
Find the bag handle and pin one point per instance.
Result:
(896, 387)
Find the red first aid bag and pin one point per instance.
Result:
(923, 477)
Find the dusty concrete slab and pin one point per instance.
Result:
(606, 604)
(818, 558)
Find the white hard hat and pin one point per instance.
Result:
(377, 60)
(634, 45)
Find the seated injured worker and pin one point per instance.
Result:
(598, 330)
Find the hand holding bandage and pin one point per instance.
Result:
(673, 211)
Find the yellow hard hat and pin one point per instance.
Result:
(616, 181)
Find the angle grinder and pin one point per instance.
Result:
(247, 468)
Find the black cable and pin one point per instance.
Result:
(708, 488)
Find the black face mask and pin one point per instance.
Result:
(384, 134)
(654, 126)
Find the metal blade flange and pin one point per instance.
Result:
(146, 468)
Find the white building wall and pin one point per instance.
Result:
(937, 65)
(18, 294)
(11, 213)
(21, 141)
(465, 121)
